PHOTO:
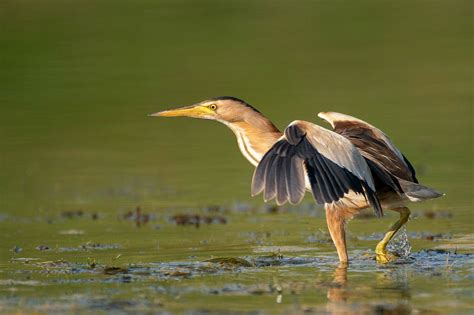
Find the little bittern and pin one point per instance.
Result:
(351, 168)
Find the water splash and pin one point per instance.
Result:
(400, 245)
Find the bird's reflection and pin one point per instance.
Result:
(344, 298)
(337, 291)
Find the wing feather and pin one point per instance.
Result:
(337, 179)
(270, 179)
(329, 180)
(296, 180)
(281, 180)
(333, 167)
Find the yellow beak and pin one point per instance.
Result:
(195, 111)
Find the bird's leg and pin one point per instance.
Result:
(381, 253)
(336, 223)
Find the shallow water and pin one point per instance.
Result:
(103, 209)
(257, 262)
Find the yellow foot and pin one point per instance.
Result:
(385, 257)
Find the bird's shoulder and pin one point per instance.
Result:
(317, 135)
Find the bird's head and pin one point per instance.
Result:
(225, 109)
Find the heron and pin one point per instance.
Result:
(347, 169)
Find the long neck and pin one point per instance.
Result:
(255, 138)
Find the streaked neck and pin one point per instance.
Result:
(255, 139)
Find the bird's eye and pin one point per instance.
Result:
(213, 107)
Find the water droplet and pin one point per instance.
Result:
(400, 245)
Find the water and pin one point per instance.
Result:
(400, 243)
(78, 155)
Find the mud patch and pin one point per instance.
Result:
(139, 217)
(197, 219)
(230, 262)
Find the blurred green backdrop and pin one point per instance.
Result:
(78, 78)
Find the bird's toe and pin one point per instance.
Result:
(385, 257)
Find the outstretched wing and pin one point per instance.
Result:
(385, 160)
(333, 166)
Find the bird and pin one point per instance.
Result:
(347, 169)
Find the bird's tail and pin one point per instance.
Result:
(416, 192)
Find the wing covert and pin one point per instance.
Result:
(373, 144)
